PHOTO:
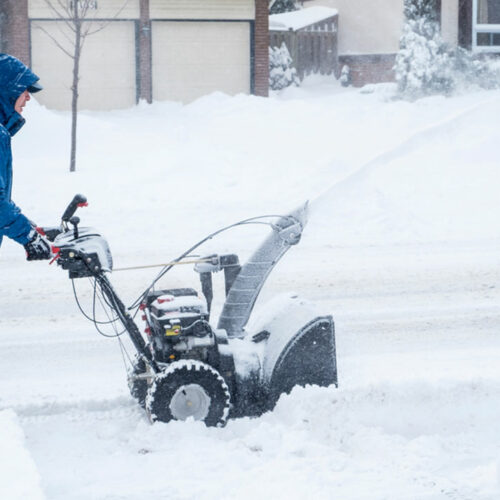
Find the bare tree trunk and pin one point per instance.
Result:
(74, 87)
(145, 83)
(73, 13)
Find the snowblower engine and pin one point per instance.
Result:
(177, 325)
(188, 366)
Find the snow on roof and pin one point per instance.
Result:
(300, 18)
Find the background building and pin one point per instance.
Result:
(143, 49)
(183, 49)
(369, 31)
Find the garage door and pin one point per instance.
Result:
(191, 59)
(107, 69)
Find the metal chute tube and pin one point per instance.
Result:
(245, 289)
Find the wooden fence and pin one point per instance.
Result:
(314, 48)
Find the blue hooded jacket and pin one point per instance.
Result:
(15, 78)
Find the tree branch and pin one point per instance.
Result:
(59, 45)
(100, 28)
(70, 39)
(103, 24)
(53, 9)
(65, 16)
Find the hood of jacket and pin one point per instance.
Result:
(15, 78)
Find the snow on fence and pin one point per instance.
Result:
(311, 38)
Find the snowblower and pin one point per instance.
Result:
(187, 367)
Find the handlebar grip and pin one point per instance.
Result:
(78, 201)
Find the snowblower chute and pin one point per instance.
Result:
(252, 276)
(185, 367)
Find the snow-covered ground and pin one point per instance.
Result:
(402, 247)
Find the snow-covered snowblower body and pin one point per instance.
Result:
(186, 367)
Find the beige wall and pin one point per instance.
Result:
(367, 26)
(374, 26)
(159, 9)
(107, 72)
(449, 21)
(124, 9)
(202, 9)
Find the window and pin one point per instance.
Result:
(486, 25)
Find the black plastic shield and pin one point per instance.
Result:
(309, 358)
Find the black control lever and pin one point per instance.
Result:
(78, 201)
(75, 221)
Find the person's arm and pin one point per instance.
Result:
(13, 223)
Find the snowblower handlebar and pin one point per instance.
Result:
(78, 201)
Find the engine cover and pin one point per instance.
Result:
(174, 312)
(178, 323)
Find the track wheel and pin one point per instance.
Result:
(189, 388)
(138, 387)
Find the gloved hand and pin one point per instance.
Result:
(50, 233)
(38, 248)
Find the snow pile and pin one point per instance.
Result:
(421, 188)
(300, 18)
(19, 479)
(424, 440)
(393, 171)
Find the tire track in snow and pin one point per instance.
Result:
(55, 408)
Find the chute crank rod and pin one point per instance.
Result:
(127, 320)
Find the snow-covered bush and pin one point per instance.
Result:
(424, 64)
(345, 76)
(282, 74)
(279, 6)
(475, 70)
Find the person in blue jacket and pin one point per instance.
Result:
(17, 82)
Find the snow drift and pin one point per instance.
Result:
(19, 478)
